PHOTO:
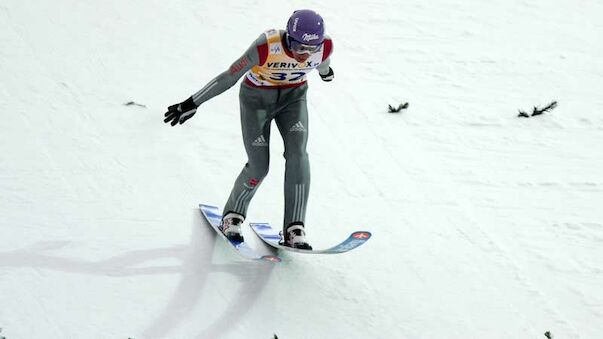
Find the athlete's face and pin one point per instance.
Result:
(300, 57)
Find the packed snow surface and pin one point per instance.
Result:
(485, 225)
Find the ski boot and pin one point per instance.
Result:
(231, 226)
(294, 236)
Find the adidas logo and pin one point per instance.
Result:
(299, 127)
(260, 141)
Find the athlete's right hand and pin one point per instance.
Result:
(181, 112)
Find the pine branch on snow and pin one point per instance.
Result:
(132, 103)
(522, 114)
(537, 111)
(392, 109)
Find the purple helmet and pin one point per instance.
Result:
(306, 27)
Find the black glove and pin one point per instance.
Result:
(181, 112)
(329, 76)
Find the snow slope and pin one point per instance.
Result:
(484, 225)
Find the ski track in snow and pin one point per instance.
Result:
(484, 225)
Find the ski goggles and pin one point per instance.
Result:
(300, 48)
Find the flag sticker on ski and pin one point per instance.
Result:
(270, 236)
(214, 218)
(361, 235)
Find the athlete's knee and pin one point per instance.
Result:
(296, 155)
(258, 169)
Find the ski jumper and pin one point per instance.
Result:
(274, 88)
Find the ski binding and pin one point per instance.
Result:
(214, 218)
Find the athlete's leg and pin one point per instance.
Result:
(292, 122)
(255, 124)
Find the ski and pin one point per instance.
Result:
(271, 237)
(214, 218)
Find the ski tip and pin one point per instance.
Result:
(361, 235)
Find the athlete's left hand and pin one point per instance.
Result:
(329, 76)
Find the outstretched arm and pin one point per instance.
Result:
(185, 110)
(228, 78)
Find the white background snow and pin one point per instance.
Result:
(484, 225)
